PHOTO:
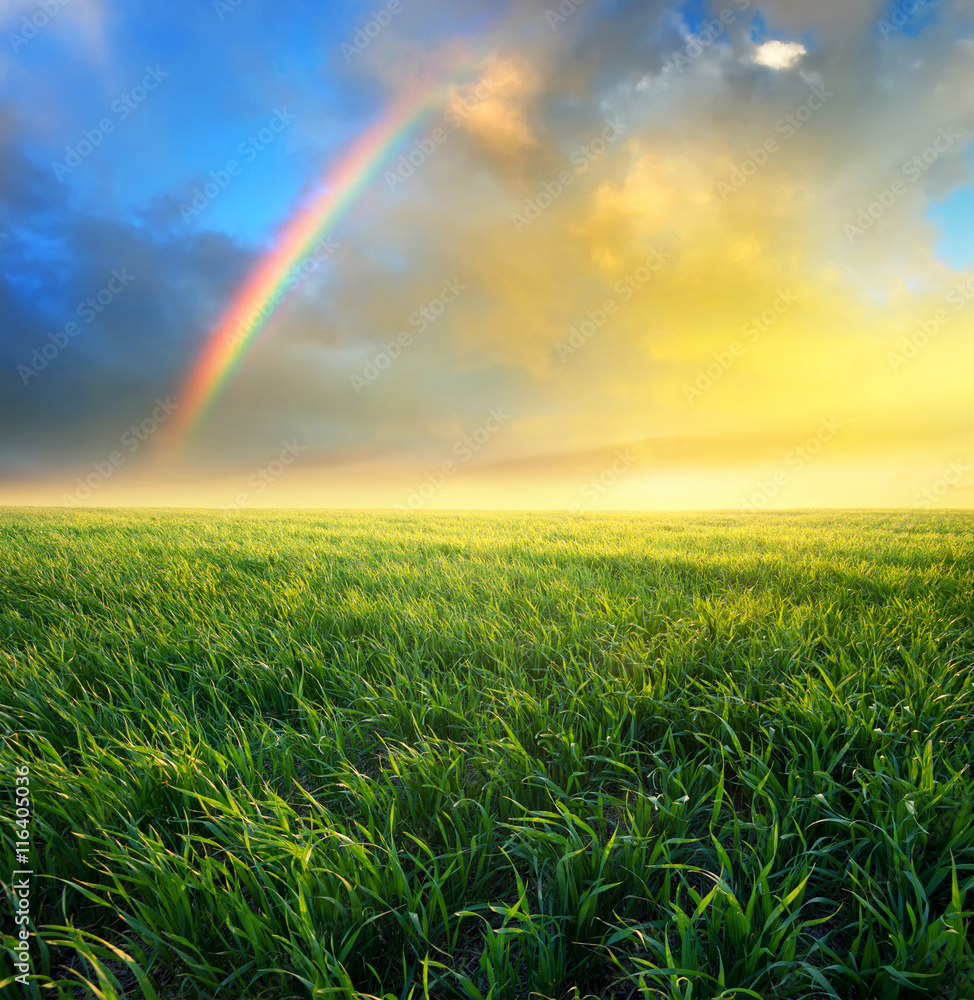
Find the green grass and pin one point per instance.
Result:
(341, 755)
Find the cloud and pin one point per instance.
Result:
(766, 310)
(835, 21)
(67, 392)
(779, 55)
(493, 111)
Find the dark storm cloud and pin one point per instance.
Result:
(99, 313)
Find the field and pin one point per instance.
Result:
(280, 755)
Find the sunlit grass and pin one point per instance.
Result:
(343, 755)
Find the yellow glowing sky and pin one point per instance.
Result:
(774, 357)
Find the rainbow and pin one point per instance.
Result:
(279, 271)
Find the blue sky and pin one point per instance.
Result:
(954, 217)
(227, 73)
(225, 80)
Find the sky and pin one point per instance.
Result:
(577, 255)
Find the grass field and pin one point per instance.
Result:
(339, 755)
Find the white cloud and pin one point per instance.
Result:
(779, 55)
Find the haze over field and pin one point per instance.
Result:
(627, 255)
